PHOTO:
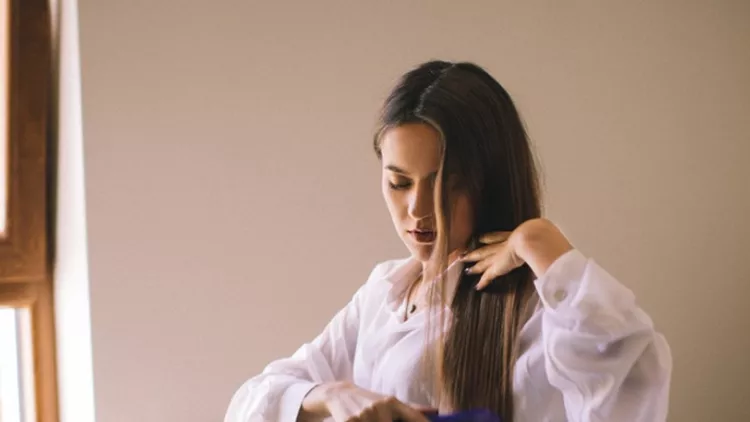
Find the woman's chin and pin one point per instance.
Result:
(422, 252)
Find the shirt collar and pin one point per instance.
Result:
(406, 272)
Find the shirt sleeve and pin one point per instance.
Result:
(601, 350)
(276, 394)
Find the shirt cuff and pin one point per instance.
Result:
(562, 281)
(291, 400)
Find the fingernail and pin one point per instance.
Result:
(468, 270)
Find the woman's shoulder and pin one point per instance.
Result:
(388, 270)
(394, 272)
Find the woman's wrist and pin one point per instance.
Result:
(540, 243)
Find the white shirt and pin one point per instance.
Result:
(588, 353)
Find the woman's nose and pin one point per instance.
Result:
(420, 202)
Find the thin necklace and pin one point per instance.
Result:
(411, 307)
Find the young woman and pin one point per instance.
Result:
(494, 308)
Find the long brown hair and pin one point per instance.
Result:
(487, 152)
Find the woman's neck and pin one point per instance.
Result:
(427, 268)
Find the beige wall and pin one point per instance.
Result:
(226, 226)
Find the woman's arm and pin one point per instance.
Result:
(278, 393)
(601, 350)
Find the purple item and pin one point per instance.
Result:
(467, 416)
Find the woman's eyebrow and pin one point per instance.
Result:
(396, 169)
(403, 172)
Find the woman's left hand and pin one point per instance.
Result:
(536, 242)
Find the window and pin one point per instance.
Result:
(27, 352)
(16, 366)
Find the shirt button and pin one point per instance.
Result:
(560, 295)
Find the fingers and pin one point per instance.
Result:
(492, 261)
(494, 237)
(480, 266)
(482, 253)
(487, 277)
(431, 411)
(501, 264)
(359, 406)
(369, 407)
(382, 414)
(493, 242)
(338, 411)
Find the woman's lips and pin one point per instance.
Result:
(423, 236)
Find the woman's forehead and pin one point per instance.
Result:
(412, 148)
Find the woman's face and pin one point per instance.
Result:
(411, 156)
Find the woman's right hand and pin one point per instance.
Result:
(346, 402)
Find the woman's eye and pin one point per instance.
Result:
(399, 185)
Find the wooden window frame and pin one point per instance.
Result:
(26, 246)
